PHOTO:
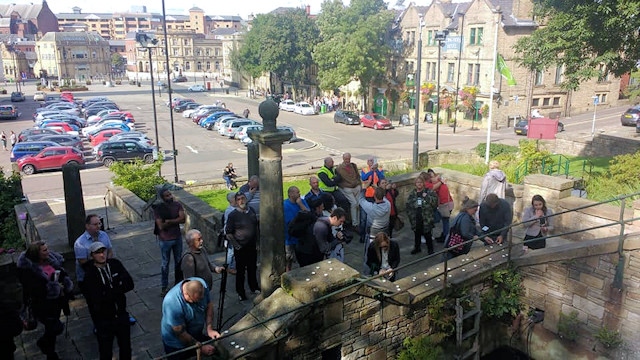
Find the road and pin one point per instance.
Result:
(203, 154)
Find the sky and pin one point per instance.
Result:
(178, 7)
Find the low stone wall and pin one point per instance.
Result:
(200, 216)
(129, 204)
(600, 145)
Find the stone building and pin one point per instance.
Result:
(27, 20)
(18, 57)
(79, 56)
(475, 25)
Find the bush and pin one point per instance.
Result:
(422, 348)
(138, 177)
(611, 339)
(495, 150)
(568, 326)
(625, 169)
(10, 195)
(502, 300)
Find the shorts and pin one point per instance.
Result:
(290, 253)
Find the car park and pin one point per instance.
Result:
(39, 96)
(196, 88)
(50, 158)
(346, 117)
(17, 96)
(102, 136)
(304, 108)
(9, 112)
(28, 148)
(631, 116)
(287, 105)
(127, 151)
(375, 121)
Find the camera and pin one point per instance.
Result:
(543, 221)
(347, 236)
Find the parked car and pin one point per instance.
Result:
(294, 138)
(304, 108)
(9, 112)
(522, 126)
(178, 79)
(125, 150)
(50, 158)
(161, 84)
(109, 126)
(103, 135)
(66, 127)
(210, 120)
(28, 148)
(287, 105)
(231, 127)
(243, 131)
(39, 96)
(17, 96)
(35, 131)
(177, 101)
(184, 106)
(196, 88)
(631, 116)
(346, 117)
(375, 121)
(64, 140)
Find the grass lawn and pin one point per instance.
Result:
(217, 199)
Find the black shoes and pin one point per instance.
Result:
(415, 251)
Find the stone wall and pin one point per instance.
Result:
(129, 204)
(601, 145)
(585, 286)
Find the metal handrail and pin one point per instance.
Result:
(445, 272)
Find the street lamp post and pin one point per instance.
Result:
(416, 143)
(440, 37)
(593, 123)
(455, 118)
(147, 43)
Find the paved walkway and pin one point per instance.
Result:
(136, 247)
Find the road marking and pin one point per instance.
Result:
(330, 136)
(192, 149)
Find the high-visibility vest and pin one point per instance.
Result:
(330, 175)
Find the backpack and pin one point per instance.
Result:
(179, 275)
(301, 227)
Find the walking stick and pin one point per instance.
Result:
(223, 288)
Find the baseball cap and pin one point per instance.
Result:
(96, 246)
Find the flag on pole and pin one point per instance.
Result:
(501, 65)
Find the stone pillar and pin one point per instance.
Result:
(74, 202)
(253, 164)
(270, 140)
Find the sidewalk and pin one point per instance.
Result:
(136, 247)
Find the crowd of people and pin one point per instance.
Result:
(343, 203)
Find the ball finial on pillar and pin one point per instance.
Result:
(268, 111)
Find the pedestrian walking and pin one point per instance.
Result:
(3, 136)
(13, 138)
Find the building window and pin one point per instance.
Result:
(603, 98)
(476, 80)
(475, 38)
(556, 101)
(433, 70)
(187, 52)
(535, 102)
(208, 52)
(545, 101)
(199, 66)
(208, 65)
(559, 74)
(175, 52)
(217, 52)
(430, 38)
(469, 74)
(217, 66)
(539, 78)
(603, 75)
(187, 65)
(451, 68)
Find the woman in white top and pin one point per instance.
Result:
(538, 222)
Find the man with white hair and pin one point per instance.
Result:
(195, 262)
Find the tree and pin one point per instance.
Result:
(582, 36)
(280, 43)
(117, 61)
(353, 43)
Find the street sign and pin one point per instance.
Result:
(453, 43)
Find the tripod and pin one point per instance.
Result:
(106, 210)
(223, 290)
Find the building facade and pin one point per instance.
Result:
(466, 59)
(79, 56)
(27, 20)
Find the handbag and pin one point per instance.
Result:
(456, 240)
(28, 318)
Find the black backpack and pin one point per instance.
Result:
(301, 227)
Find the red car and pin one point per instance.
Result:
(53, 157)
(63, 125)
(67, 95)
(103, 136)
(375, 121)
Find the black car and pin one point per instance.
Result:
(125, 150)
(346, 117)
(184, 106)
(179, 79)
(35, 131)
(63, 140)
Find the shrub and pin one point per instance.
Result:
(625, 169)
(423, 348)
(495, 150)
(502, 300)
(138, 177)
(611, 339)
(568, 326)
(10, 195)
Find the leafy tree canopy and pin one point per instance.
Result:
(281, 43)
(117, 60)
(352, 42)
(582, 35)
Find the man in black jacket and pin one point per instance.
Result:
(106, 282)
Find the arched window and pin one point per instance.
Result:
(187, 65)
(217, 66)
(199, 66)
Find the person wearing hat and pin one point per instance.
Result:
(106, 283)
(465, 225)
(168, 215)
(81, 246)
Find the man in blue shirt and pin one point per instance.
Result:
(186, 309)
(82, 244)
(292, 206)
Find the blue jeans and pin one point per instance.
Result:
(231, 260)
(445, 227)
(166, 246)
